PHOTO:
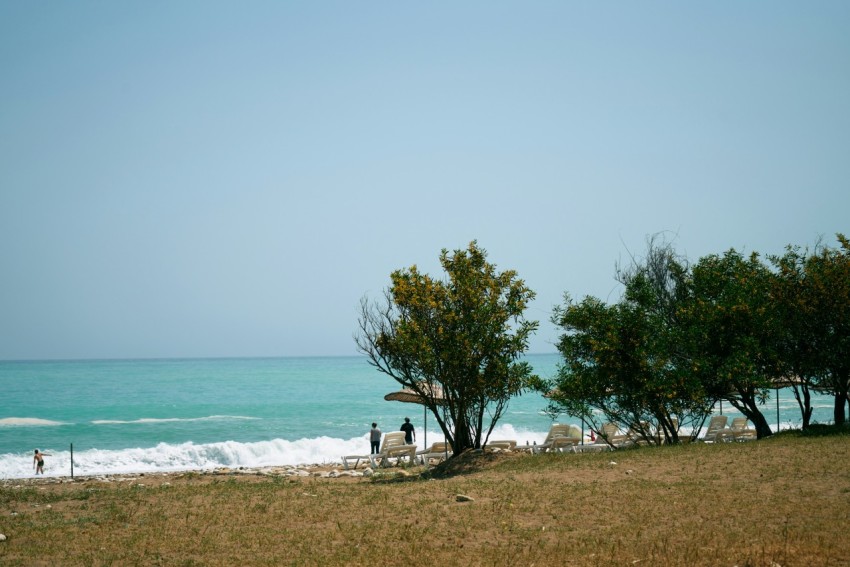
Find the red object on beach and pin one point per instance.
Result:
(592, 436)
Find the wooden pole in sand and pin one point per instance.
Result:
(72, 461)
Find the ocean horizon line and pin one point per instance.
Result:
(193, 358)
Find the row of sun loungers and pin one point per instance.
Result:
(568, 437)
(561, 438)
(395, 450)
(392, 447)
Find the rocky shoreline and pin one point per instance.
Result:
(158, 478)
(293, 472)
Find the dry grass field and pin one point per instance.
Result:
(778, 502)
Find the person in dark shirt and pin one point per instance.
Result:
(409, 431)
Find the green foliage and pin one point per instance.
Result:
(455, 342)
(727, 328)
(796, 342)
(812, 290)
(622, 362)
(730, 325)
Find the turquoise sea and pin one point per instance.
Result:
(192, 414)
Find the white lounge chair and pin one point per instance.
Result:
(598, 445)
(393, 447)
(505, 445)
(611, 436)
(561, 437)
(640, 435)
(346, 461)
(740, 431)
(436, 452)
(715, 429)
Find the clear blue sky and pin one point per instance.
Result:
(202, 178)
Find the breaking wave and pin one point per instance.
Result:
(171, 419)
(166, 457)
(27, 421)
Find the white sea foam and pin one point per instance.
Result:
(27, 421)
(172, 419)
(190, 456)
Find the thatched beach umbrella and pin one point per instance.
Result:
(410, 396)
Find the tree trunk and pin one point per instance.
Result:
(805, 403)
(747, 405)
(664, 432)
(462, 439)
(838, 412)
(807, 414)
(479, 425)
(841, 383)
(762, 428)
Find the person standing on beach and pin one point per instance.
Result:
(38, 461)
(409, 432)
(375, 439)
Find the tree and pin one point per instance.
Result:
(825, 304)
(799, 358)
(729, 328)
(462, 336)
(622, 362)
